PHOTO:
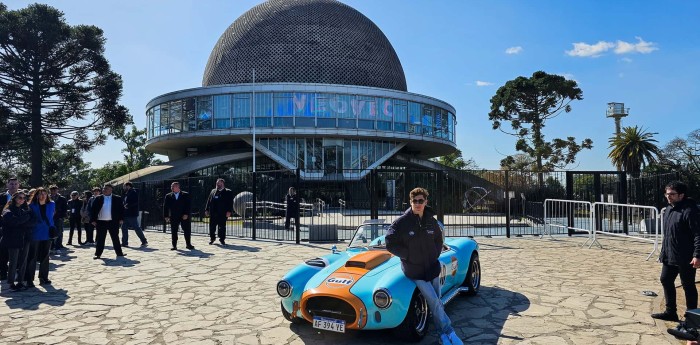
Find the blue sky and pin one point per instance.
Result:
(645, 54)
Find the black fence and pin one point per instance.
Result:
(469, 203)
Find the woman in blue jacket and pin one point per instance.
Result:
(19, 221)
(44, 210)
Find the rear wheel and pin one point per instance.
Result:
(415, 325)
(473, 278)
(288, 316)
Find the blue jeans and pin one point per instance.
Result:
(131, 222)
(431, 292)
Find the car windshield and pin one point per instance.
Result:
(370, 236)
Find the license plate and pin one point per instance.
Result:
(328, 324)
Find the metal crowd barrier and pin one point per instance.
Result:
(621, 220)
(570, 215)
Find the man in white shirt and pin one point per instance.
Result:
(107, 215)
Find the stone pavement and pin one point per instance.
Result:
(534, 291)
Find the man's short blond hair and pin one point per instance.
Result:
(419, 191)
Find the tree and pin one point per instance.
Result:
(56, 82)
(455, 160)
(633, 149)
(527, 103)
(135, 154)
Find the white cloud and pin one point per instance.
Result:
(483, 83)
(641, 46)
(582, 49)
(590, 50)
(514, 50)
(626, 59)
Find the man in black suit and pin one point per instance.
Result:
(176, 210)
(219, 208)
(131, 215)
(107, 214)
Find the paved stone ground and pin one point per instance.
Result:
(535, 291)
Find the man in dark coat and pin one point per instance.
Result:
(107, 214)
(131, 215)
(12, 187)
(176, 210)
(680, 252)
(89, 228)
(292, 208)
(416, 238)
(219, 208)
(58, 217)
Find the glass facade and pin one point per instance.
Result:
(328, 155)
(300, 110)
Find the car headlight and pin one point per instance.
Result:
(284, 289)
(382, 298)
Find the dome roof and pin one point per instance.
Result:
(304, 41)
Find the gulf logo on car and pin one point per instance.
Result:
(339, 281)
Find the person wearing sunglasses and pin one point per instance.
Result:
(416, 238)
(680, 252)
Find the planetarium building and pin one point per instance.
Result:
(309, 85)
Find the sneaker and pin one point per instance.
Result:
(666, 316)
(454, 339)
(445, 340)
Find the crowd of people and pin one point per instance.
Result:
(32, 224)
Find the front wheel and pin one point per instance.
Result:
(415, 324)
(288, 316)
(473, 278)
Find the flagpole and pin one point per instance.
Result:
(253, 119)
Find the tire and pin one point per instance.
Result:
(415, 325)
(288, 316)
(473, 278)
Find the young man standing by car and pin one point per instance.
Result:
(680, 252)
(416, 238)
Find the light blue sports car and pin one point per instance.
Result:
(364, 287)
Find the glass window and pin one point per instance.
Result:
(340, 107)
(365, 107)
(427, 120)
(204, 112)
(306, 121)
(323, 105)
(414, 118)
(222, 111)
(156, 121)
(176, 116)
(301, 153)
(263, 109)
(451, 126)
(324, 123)
(303, 104)
(347, 156)
(385, 109)
(284, 122)
(164, 113)
(188, 115)
(241, 110)
(283, 104)
(365, 124)
(149, 123)
(384, 125)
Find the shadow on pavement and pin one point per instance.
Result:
(476, 319)
(194, 253)
(121, 262)
(32, 298)
(237, 247)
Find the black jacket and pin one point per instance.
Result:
(681, 233)
(19, 226)
(117, 208)
(61, 206)
(131, 203)
(176, 208)
(292, 209)
(417, 243)
(220, 202)
(74, 207)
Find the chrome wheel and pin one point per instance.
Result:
(476, 274)
(420, 308)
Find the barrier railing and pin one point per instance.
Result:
(621, 220)
(570, 215)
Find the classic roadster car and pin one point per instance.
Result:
(364, 287)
